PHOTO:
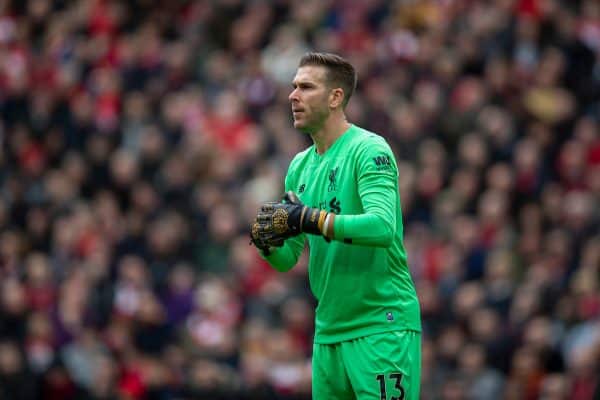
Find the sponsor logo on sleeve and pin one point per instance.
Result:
(382, 162)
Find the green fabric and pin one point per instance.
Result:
(382, 366)
(360, 279)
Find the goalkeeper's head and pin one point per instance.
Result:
(339, 72)
(323, 85)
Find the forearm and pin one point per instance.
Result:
(363, 229)
(284, 258)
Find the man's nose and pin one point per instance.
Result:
(293, 95)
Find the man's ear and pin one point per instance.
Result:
(336, 98)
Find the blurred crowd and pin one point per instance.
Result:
(139, 137)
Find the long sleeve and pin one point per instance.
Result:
(377, 177)
(284, 258)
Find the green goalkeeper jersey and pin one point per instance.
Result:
(360, 279)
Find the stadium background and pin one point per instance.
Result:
(138, 138)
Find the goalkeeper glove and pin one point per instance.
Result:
(276, 222)
(301, 218)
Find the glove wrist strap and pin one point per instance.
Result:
(302, 214)
(313, 220)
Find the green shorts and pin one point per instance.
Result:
(384, 366)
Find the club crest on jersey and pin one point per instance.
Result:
(333, 179)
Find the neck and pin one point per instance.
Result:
(332, 129)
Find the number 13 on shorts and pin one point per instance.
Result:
(397, 393)
(384, 366)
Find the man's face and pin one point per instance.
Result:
(310, 98)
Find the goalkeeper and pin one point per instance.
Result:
(342, 196)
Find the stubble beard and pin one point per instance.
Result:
(315, 123)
